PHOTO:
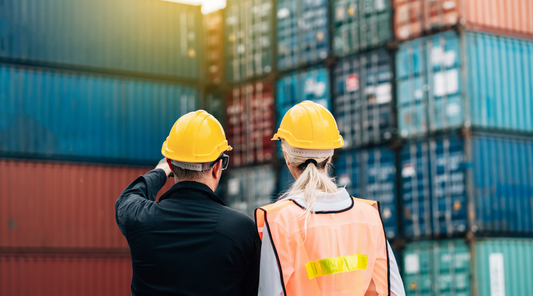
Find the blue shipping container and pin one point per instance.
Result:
(150, 37)
(474, 79)
(362, 94)
(371, 174)
(74, 116)
(296, 87)
(302, 32)
(248, 30)
(445, 176)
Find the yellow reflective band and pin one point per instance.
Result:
(336, 265)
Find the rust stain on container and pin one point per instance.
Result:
(413, 18)
(250, 123)
(54, 204)
(47, 274)
(214, 43)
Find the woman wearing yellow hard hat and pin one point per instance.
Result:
(317, 239)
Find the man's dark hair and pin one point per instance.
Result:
(183, 174)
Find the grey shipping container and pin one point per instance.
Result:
(248, 27)
(362, 96)
(77, 116)
(481, 183)
(496, 267)
(250, 188)
(360, 25)
(140, 36)
(472, 79)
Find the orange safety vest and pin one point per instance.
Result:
(341, 253)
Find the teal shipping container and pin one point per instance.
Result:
(249, 188)
(63, 115)
(302, 32)
(249, 33)
(449, 80)
(141, 37)
(360, 25)
(487, 267)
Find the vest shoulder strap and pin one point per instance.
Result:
(261, 212)
(372, 203)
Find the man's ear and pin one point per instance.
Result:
(216, 172)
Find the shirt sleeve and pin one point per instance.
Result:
(396, 283)
(135, 202)
(269, 276)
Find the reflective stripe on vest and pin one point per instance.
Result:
(340, 253)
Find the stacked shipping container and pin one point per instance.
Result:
(434, 101)
(62, 99)
(464, 106)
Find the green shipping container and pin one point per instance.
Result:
(360, 25)
(501, 267)
(248, 29)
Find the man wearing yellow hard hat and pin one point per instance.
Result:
(189, 243)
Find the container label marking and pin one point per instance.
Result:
(497, 276)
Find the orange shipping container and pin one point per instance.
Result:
(65, 205)
(413, 18)
(59, 275)
(214, 46)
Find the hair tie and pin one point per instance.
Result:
(310, 161)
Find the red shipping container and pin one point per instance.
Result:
(66, 205)
(250, 123)
(413, 18)
(58, 275)
(214, 43)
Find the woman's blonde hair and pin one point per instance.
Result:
(312, 183)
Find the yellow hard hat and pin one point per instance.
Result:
(196, 137)
(308, 125)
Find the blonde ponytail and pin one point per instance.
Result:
(312, 183)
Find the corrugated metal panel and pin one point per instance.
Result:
(302, 32)
(152, 37)
(64, 205)
(63, 275)
(214, 43)
(439, 88)
(65, 115)
(293, 88)
(504, 267)
(360, 25)
(250, 188)
(250, 123)
(435, 268)
(414, 18)
(249, 33)
(436, 188)
(362, 94)
(371, 174)
(215, 105)
(502, 181)
(497, 267)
